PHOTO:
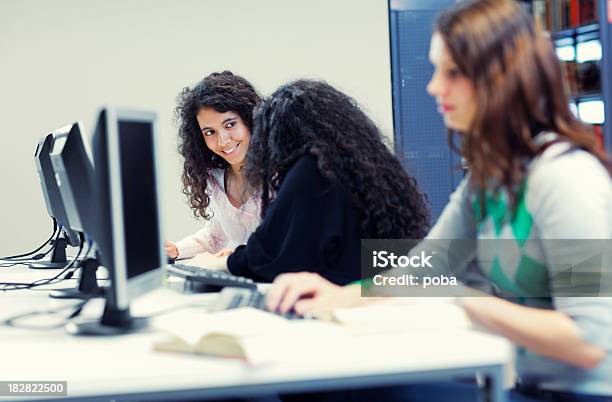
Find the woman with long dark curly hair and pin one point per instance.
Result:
(215, 119)
(327, 180)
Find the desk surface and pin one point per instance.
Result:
(127, 367)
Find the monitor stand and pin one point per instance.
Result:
(113, 322)
(58, 257)
(88, 284)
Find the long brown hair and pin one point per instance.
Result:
(518, 88)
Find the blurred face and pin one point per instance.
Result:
(225, 134)
(454, 93)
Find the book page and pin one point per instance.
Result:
(412, 314)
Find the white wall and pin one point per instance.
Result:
(61, 60)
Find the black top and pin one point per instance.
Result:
(310, 226)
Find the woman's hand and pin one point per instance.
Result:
(309, 293)
(171, 250)
(208, 260)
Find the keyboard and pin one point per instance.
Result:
(231, 298)
(199, 280)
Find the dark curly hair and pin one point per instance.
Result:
(313, 117)
(224, 92)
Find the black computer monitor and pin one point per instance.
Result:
(128, 230)
(53, 200)
(74, 175)
(48, 185)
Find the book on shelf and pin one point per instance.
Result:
(558, 15)
(598, 131)
(541, 14)
(574, 13)
(569, 77)
(588, 12)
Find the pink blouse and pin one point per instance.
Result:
(229, 226)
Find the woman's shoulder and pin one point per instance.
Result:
(569, 194)
(307, 162)
(567, 167)
(304, 171)
(566, 180)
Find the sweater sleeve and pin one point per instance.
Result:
(302, 228)
(571, 200)
(208, 239)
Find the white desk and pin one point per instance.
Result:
(126, 368)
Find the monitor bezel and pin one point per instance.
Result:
(127, 289)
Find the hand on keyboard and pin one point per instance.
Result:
(231, 298)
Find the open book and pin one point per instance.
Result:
(258, 337)
(248, 334)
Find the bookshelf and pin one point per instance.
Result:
(580, 31)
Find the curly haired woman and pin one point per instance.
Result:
(327, 180)
(215, 119)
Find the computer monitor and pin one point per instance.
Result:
(53, 201)
(48, 185)
(74, 175)
(128, 230)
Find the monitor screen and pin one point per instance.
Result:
(139, 189)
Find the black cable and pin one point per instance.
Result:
(14, 320)
(68, 266)
(46, 281)
(11, 265)
(55, 229)
(37, 256)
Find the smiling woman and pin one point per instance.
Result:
(224, 133)
(215, 119)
